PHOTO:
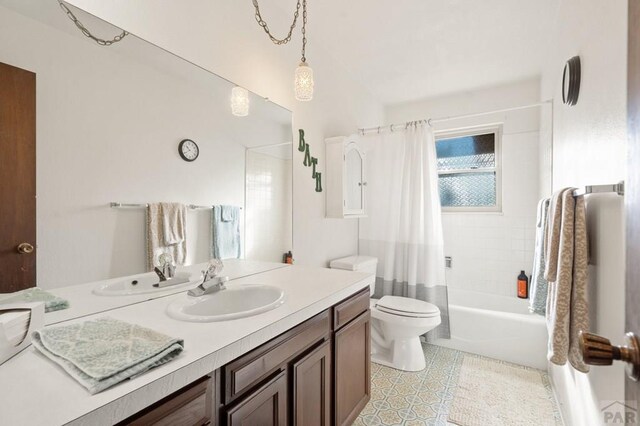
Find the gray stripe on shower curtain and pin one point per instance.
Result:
(436, 295)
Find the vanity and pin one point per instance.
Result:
(113, 123)
(306, 362)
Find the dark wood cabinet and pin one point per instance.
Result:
(315, 374)
(266, 406)
(312, 388)
(352, 371)
(190, 406)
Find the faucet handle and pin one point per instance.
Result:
(215, 267)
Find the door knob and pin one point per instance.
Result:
(597, 350)
(25, 248)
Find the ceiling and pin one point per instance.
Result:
(412, 49)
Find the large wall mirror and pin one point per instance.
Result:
(109, 121)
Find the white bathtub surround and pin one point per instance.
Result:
(403, 229)
(498, 327)
(567, 272)
(539, 285)
(60, 400)
(490, 249)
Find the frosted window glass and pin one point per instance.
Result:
(467, 170)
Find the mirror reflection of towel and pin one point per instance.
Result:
(225, 230)
(166, 232)
(229, 213)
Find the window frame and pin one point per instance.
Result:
(496, 129)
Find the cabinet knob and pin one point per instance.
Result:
(598, 350)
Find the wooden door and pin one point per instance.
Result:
(632, 187)
(265, 407)
(312, 388)
(17, 178)
(352, 371)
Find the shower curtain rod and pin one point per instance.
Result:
(431, 121)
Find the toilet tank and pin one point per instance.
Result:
(357, 263)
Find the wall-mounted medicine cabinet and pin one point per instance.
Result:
(346, 181)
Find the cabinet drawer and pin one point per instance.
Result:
(248, 370)
(350, 308)
(267, 406)
(190, 406)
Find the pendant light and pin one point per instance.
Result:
(239, 101)
(303, 77)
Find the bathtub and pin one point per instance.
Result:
(496, 326)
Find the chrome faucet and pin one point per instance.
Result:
(211, 283)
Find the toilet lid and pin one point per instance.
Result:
(405, 306)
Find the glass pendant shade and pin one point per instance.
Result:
(239, 101)
(304, 82)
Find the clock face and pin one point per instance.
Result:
(188, 150)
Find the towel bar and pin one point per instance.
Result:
(115, 205)
(618, 188)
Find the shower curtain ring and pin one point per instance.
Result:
(378, 129)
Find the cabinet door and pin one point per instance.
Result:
(312, 388)
(265, 407)
(354, 180)
(352, 369)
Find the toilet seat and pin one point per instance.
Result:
(406, 307)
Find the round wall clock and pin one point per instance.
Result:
(571, 81)
(188, 150)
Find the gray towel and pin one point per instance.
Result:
(36, 294)
(166, 233)
(538, 299)
(225, 233)
(103, 352)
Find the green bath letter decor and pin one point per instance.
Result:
(309, 161)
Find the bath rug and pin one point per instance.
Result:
(103, 352)
(496, 393)
(36, 294)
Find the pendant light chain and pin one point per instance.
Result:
(304, 30)
(303, 77)
(86, 32)
(265, 27)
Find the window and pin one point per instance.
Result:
(469, 169)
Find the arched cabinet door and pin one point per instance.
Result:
(346, 178)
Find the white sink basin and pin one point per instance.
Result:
(144, 283)
(234, 302)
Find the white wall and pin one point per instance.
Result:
(590, 148)
(223, 36)
(490, 249)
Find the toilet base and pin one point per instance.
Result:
(403, 354)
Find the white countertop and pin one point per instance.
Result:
(83, 302)
(35, 391)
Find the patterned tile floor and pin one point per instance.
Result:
(422, 398)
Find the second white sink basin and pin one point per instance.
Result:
(235, 302)
(145, 283)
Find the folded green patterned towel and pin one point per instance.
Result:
(103, 352)
(35, 294)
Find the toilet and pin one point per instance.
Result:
(396, 322)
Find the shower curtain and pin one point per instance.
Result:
(403, 227)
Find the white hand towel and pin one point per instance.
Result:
(156, 241)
